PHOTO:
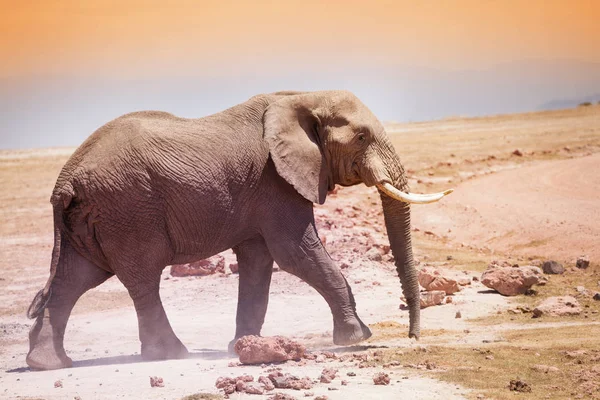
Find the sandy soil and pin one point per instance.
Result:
(534, 205)
(547, 210)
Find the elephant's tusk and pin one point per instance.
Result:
(411, 197)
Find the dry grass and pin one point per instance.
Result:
(558, 285)
(455, 149)
(488, 369)
(391, 330)
(436, 251)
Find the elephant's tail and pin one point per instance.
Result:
(60, 201)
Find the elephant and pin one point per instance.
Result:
(150, 189)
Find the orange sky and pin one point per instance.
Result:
(151, 38)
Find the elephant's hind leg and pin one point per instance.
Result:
(74, 276)
(255, 269)
(159, 342)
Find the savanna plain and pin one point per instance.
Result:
(527, 190)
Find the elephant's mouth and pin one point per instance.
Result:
(412, 198)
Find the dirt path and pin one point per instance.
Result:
(550, 210)
(104, 344)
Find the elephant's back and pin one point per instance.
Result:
(156, 157)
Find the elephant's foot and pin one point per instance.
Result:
(350, 332)
(164, 349)
(45, 347)
(41, 359)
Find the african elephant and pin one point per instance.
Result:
(150, 189)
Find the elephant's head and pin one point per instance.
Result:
(320, 139)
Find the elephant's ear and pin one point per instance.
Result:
(291, 128)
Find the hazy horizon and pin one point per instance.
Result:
(68, 67)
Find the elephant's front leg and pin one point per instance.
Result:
(297, 249)
(255, 269)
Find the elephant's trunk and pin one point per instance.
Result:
(397, 222)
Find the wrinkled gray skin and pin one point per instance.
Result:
(150, 189)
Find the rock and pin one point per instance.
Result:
(517, 152)
(287, 381)
(381, 378)
(553, 267)
(257, 350)
(449, 300)
(266, 382)
(583, 291)
(433, 298)
(431, 279)
(517, 385)
(156, 381)
(458, 315)
(374, 254)
(583, 262)
(205, 267)
(328, 375)
(249, 387)
(596, 296)
(544, 368)
(344, 383)
(511, 281)
(234, 268)
(282, 396)
(558, 306)
(231, 385)
(322, 397)
(58, 384)
(464, 281)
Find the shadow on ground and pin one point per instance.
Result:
(205, 354)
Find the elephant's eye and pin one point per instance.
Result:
(361, 137)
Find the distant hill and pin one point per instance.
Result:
(558, 104)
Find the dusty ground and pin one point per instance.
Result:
(541, 204)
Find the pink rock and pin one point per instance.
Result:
(266, 382)
(328, 375)
(512, 281)
(282, 396)
(432, 298)
(287, 381)
(156, 381)
(431, 279)
(558, 306)
(464, 281)
(249, 387)
(205, 267)
(381, 378)
(257, 350)
(231, 385)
